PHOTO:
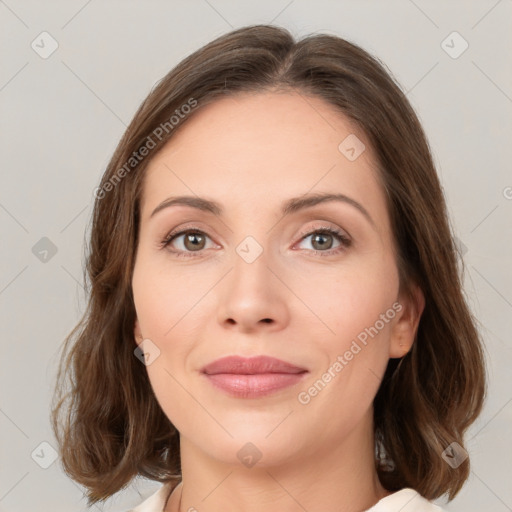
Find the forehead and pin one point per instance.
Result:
(254, 151)
(264, 125)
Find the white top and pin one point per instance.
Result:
(405, 500)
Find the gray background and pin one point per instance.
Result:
(62, 116)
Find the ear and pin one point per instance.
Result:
(137, 334)
(406, 322)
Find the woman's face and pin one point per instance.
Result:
(252, 279)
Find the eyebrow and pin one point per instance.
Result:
(290, 206)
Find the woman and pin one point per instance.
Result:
(276, 318)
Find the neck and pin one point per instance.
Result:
(340, 477)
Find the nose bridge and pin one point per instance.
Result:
(252, 294)
(251, 273)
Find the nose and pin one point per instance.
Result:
(253, 297)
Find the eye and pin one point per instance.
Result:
(322, 239)
(194, 240)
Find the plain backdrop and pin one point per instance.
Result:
(73, 74)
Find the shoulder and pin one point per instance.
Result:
(405, 500)
(155, 502)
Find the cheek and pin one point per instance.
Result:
(358, 311)
(356, 306)
(352, 302)
(164, 306)
(161, 298)
(170, 389)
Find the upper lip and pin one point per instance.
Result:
(250, 366)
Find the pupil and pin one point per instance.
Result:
(192, 238)
(320, 237)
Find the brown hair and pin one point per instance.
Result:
(109, 425)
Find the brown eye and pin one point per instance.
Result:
(321, 241)
(186, 242)
(194, 241)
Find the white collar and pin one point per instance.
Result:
(404, 500)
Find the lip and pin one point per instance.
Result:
(252, 377)
(250, 366)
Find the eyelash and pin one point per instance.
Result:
(344, 241)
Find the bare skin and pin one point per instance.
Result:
(304, 299)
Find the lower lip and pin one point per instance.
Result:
(254, 386)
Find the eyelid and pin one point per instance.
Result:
(345, 240)
(319, 225)
(187, 226)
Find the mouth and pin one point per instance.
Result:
(252, 377)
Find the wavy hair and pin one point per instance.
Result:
(107, 421)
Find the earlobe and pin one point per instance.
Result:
(404, 331)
